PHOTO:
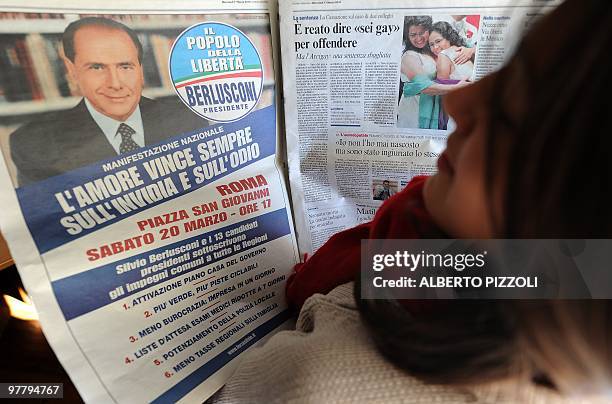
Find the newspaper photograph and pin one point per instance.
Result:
(364, 85)
(143, 198)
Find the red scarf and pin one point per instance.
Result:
(403, 216)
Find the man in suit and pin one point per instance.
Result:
(103, 57)
(385, 193)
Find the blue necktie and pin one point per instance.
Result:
(127, 143)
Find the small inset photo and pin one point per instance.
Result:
(383, 189)
(439, 55)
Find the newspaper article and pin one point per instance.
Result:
(143, 199)
(364, 84)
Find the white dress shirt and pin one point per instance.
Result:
(109, 126)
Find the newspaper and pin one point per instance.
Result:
(142, 191)
(143, 182)
(363, 86)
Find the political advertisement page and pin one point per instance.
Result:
(143, 197)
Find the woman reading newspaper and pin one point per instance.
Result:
(528, 160)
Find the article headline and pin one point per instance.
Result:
(338, 28)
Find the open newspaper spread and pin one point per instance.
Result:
(363, 92)
(142, 197)
(142, 173)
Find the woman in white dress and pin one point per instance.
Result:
(416, 60)
(444, 42)
(419, 105)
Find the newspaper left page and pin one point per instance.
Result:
(141, 190)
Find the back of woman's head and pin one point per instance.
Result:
(558, 169)
(550, 109)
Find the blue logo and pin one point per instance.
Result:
(216, 71)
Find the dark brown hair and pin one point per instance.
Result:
(424, 21)
(558, 175)
(448, 33)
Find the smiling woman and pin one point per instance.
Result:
(445, 43)
(420, 102)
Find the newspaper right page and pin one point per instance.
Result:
(363, 86)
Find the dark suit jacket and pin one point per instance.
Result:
(65, 140)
